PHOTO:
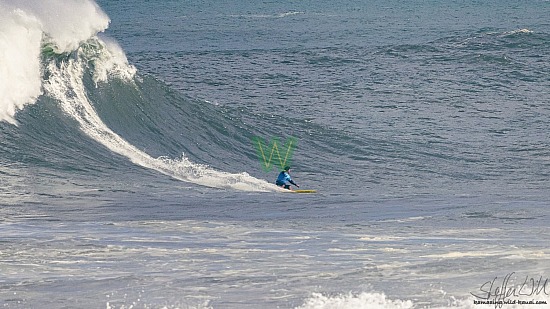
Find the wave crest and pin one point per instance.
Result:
(20, 76)
(63, 51)
(30, 27)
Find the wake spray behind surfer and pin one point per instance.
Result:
(284, 180)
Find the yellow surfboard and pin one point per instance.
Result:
(303, 191)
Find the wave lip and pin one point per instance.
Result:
(26, 26)
(63, 51)
(20, 76)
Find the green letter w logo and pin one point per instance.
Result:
(267, 156)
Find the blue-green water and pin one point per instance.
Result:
(129, 177)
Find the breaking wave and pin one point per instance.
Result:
(57, 52)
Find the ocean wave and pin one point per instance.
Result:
(63, 50)
(20, 80)
(26, 27)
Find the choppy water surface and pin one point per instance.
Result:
(129, 177)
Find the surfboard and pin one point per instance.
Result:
(303, 191)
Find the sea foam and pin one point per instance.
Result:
(26, 26)
(49, 47)
(351, 301)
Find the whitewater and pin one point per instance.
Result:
(65, 79)
(130, 178)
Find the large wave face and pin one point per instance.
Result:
(53, 51)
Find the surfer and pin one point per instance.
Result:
(284, 179)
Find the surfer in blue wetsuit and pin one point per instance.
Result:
(284, 179)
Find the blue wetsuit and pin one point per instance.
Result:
(284, 179)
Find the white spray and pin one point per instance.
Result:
(27, 25)
(20, 75)
(66, 85)
(70, 26)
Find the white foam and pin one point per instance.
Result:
(20, 76)
(354, 301)
(65, 83)
(456, 255)
(289, 14)
(524, 30)
(279, 15)
(66, 23)
(111, 61)
(27, 25)
(366, 300)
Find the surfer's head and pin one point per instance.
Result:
(287, 168)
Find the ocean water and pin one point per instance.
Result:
(130, 178)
